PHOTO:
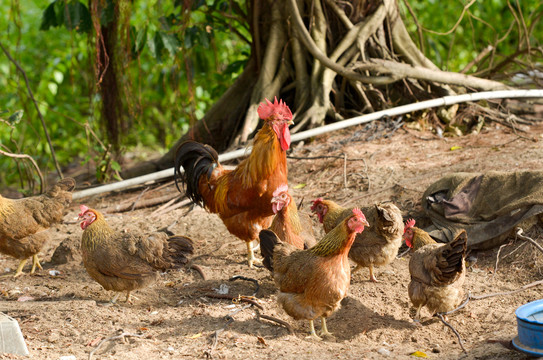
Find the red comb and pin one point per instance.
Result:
(358, 213)
(277, 109)
(315, 203)
(84, 209)
(280, 189)
(409, 224)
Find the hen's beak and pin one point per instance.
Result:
(366, 223)
(290, 122)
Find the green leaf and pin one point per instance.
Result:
(53, 88)
(16, 117)
(59, 76)
(49, 18)
(170, 42)
(115, 166)
(77, 16)
(299, 186)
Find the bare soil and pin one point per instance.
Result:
(62, 311)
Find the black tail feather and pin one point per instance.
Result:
(180, 248)
(196, 159)
(268, 240)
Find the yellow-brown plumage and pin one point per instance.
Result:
(437, 271)
(313, 282)
(24, 222)
(125, 261)
(377, 246)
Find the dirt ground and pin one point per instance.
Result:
(61, 310)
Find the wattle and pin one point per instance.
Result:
(284, 139)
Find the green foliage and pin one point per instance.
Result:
(484, 23)
(179, 64)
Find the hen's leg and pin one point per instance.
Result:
(127, 296)
(358, 267)
(324, 330)
(114, 299)
(417, 315)
(372, 275)
(313, 334)
(20, 268)
(35, 263)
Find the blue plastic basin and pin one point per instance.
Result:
(530, 328)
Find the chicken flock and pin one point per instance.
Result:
(312, 275)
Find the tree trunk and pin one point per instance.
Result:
(328, 60)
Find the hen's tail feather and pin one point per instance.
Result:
(268, 241)
(180, 248)
(454, 257)
(196, 159)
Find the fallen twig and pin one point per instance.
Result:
(198, 270)
(526, 238)
(111, 338)
(498, 260)
(271, 318)
(236, 299)
(454, 331)
(138, 198)
(142, 204)
(172, 207)
(522, 288)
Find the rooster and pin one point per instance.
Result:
(24, 222)
(123, 261)
(241, 197)
(313, 282)
(376, 247)
(437, 270)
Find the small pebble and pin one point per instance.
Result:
(383, 352)
(54, 272)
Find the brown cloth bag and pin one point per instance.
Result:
(488, 206)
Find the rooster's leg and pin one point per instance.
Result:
(313, 334)
(35, 263)
(251, 254)
(372, 275)
(20, 268)
(324, 330)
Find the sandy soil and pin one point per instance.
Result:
(63, 313)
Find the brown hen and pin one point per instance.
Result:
(313, 282)
(24, 222)
(377, 246)
(437, 270)
(123, 262)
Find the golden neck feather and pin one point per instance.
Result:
(338, 240)
(332, 215)
(265, 157)
(96, 233)
(421, 238)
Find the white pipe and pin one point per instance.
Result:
(404, 109)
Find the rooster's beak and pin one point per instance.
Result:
(290, 122)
